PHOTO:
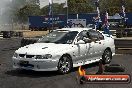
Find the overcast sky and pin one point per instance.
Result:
(46, 2)
(3, 3)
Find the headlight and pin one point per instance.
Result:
(47, 56)
(15, 55)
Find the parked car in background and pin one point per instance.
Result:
(65, 48)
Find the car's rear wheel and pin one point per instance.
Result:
(107, 56)
(65, 64)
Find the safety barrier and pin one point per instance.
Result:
(1, 35)
(10, 34)
(123, 45)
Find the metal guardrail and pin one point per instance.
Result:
(123, 43)
(123, 46)
(10, 34)
(1, 35)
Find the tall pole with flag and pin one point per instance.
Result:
(66, 6)
(97, 19)
(106, 24)
(51, 11)
(123, 11)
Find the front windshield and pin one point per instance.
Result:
(61, 37)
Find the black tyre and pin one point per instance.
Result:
(107, 56)
(65, 64)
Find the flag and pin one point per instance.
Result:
(97, 6)
(124, 14)
(106, 24)
(50, 12)
(123, 10)
(97, 19)
(65, 4)
(106, 18)
(50, 6)
(50, 1)
(97, 3)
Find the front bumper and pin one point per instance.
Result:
(36, 65)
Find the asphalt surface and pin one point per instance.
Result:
(11, 78)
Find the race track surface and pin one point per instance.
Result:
(11, 78)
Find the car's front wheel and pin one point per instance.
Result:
(107, 56)
(65, 64)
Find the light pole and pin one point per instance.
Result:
(66, 6)
(52, 16)
(67, 14)
(50, 12)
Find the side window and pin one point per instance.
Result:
(101, 37)
(82, 35)
(91, 34)
(95, 35)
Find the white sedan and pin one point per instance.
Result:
(63, 49)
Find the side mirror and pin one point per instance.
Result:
(87, 40)
(94, 39)
(80, 42)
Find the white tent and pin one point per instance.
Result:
(116, 16)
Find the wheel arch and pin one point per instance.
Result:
(108, 48)
(70, 58)
(67, 54)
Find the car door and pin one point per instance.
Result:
(90, 48)
(101, 42)
(98, 44)
(90, 51)
(80, 50)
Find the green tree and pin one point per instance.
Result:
(21, 9)
(129, 5)
(56, 8)
(114, 6)
(80, 6)
(27, 10)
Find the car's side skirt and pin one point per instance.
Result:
(87, 62)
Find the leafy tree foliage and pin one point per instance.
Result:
(21, 9)
(24, 8)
